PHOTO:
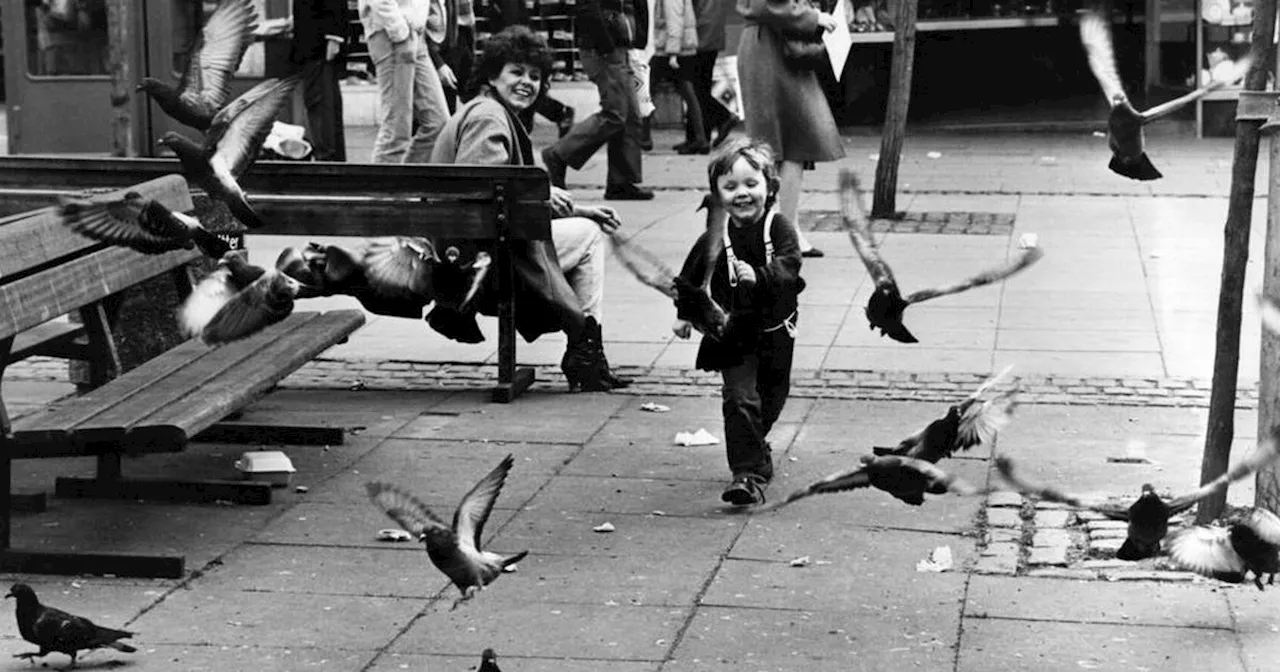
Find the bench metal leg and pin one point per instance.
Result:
(72, 564)
(110, 484)
(512, 381)
(258, 433)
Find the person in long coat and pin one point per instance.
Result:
(784, 106)
(559, 283)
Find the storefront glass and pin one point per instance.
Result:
(66, 37)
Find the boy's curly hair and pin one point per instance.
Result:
(757, 153)
(513, 44)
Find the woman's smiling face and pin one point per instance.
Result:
(518, 84)
(743, 191)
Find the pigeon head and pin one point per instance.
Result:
(1148, 490)
(21, 592)
(151, 85)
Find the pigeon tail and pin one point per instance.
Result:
(1135, 550)
(455, 325)
(121, 646)
(1140, 168)
(513, 559)
(210, 244)
(245, 213)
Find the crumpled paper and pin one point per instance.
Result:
(939, 560)
(654, 408)
(699, 438)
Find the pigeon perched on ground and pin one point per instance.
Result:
(975, 420)
(213, 60)
(886, 306)
(1148, 517)
(488, 662)
(56, 631)
(238, 300)
(1249, 543)
(393, 276)
(138, 223)
(453, 549)
(1124, 124)
(906, 478)
(232, 143)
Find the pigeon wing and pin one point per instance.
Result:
(400, 267)
(1264, 455)
(60, 631)
(840, 481)
(1265, 524)
(124, 221)
(235, 136)
(644, 265)
(266, 301)
(1095, 35)
(1206, 550)
(1005, 467)
(717, 222)
(1239, 69)
(855, 218)
(981, 421)
(216, 54)
(939, 481)
(473, 511)
(409, 512)
(1020, 263)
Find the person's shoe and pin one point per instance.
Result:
(594, 337)
(745, 490)
(693, 149)
(566, 122)
(556, 167)
(627, 192)
(724, 130)
(646, 134)
(813, 252)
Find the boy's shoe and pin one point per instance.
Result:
(745, 490)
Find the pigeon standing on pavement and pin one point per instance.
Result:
(239, 299)
(213, 60)
(1249, 543)
(1148, 517)
(139, 223)
(232, 143)
(906, 478)
(886, 306)
(453, 549)
(973, 421)
(1124, 124)
(488, 662)
(56, 631)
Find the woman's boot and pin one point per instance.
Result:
(581, 364)
(595, 338)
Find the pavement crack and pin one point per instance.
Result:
(1081, 621)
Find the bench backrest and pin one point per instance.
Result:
(339, 199)
(47, 270)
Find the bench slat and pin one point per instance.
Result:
(29, 240)
(36, 299)
(39, 339)
(371, 218)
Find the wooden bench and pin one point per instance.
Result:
(499, 203)
(46, 271)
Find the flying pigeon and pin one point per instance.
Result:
(886, 306)
(56, 631)
(458, 279)
(142, 224)
(231, 144)
(206, 81)
(488, 662)
(239, 299)
(1148, 517)
(453, 549)
(906, 478)
(971, 422)
(1124, 124)
(391, 276)
(1249, 543)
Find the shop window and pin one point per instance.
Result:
(66, 37)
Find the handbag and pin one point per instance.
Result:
(803, 54)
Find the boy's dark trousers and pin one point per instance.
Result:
(753, 394)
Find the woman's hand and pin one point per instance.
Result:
(561, 203)
(746, 274)
(603, 215)
(827, 21)
(673, 63)
(682, 328)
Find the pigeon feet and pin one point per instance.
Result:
(467, 595)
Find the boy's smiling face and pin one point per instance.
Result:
(743, 191)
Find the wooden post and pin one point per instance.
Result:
(1267, 492)
(119, 18)
(1235, 255)
(884, 203)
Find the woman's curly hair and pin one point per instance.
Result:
(513, 44)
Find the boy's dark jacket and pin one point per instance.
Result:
(772, 300)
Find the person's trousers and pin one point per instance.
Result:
(551, 109)
(323, 99)
(409, 91)
(616, 125)
(695, 128)
(461, 59)
(579, 244)
(699, 69)
(752, 396)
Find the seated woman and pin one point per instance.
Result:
(560, 283)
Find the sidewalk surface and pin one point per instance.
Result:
(1111, 335)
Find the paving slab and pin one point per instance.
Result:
(1047, 646)
(391, 570)
(1098, 602)
(608, 580)
(330, 524)
(393, 662)
(534, 418)
(777, 640)
(205, 658)
(1255, 623)
(607, 494)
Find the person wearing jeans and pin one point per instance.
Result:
(409, 88)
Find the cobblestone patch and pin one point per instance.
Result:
(679, 381)
(953, 223)
(1060, 543)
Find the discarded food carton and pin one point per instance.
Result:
(270, 466)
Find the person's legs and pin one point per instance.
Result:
(323, 99)
(624, 151)
(579, 244)
(791, 174)
(773, 380)
(395, 65)
(695, 131)
(748, 454)
(588, 136)
(430, 109)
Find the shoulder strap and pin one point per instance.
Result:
(768, 247)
